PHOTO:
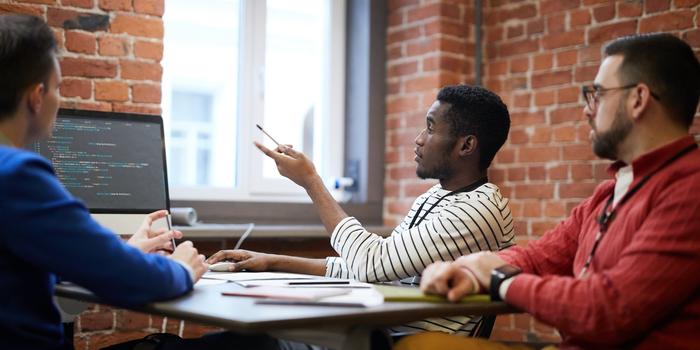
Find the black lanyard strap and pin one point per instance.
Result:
(467, 188)
(607, 216)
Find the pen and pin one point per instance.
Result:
(168, 220)
(304, 283)
(268, 135)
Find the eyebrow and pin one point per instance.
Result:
(430, 119)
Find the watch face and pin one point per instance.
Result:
(508, 271)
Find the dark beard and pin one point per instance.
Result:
(605, 144)
(442, 171)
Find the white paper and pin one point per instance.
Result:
(256, 276)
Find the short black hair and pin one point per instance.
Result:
(667, 64)
(476, 111)
(27, 48)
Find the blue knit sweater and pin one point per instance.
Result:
(46, 233)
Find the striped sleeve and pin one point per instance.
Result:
(470, 223)
(336, 268)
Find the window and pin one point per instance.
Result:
(231, 64)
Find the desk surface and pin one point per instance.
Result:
(206, 305)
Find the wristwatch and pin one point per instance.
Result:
(498, 275)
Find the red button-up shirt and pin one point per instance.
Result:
(642, 289)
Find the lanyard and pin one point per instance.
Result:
(468, 188)
(607, 216)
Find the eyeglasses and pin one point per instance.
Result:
(592, 93)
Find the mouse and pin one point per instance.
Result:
(222, 266)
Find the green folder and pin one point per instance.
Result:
(395, 293)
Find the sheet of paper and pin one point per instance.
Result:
(286, 293)
(318, 283)
(356, 298)
(256, 276)
(208, 282)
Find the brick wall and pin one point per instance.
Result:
(537, 54)
(110, 52)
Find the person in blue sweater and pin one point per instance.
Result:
(45, 233)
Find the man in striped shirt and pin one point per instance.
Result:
(464, 213)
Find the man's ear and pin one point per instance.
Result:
(639, 100)
(35, 97)
(467, 145)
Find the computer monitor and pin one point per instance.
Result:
(114, 162)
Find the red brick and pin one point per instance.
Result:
(535, 26)
(604, 13)
(402, 104)
(519, 65)
(580, 17)
(667, 21)
(541, 135)
(89, 68)
(76, 88)
(21, 9)
(92, 106)
(111, 91)
(524, 11)
(505, 156)
(558, 172)
(629, 9)
(140, 109)
(611, 31)
(80, 42)
(424, 83)
(568, 95)
(150, 7)
(402, 35)
(538, 154)
(590, 53)
(398, 4)
(518, 47)
(515, 174)
(88, 4)
(550, 6)
(113, 46)
(544, 98)
(432, 10)
(399, 69)
(585, 74)
(515, 31)
(137, 26)
(129, 320)
(555, 209)
(542, 61)
(531, 209)
(45, 2)
(567, 58)
(147, 93)
(148, 49)
(415, 189)
(652, 6)
(518, 136)
(536, 173)
(422, 47)
(137, 70)
(557, 40)
(532, 191)
(402, 137)
(521, 100)
(115, 5)
(96, 321)
(444, 63)
(576, 190)
(578, 152)
(581, 171)
(685, 3)
(556, 23)
(692, 37)
(566, 114)
(550, 78)
(564, 133)
(526, 118)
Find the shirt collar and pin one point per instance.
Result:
(651, 160)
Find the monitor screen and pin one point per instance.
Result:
(113, 162)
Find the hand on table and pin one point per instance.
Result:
(244, 260)
(469, 274)
(187, 254)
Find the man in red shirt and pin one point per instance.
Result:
(622, 271)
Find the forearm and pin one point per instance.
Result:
(286, 263)
(328, 209)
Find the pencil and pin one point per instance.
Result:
(268, 135)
